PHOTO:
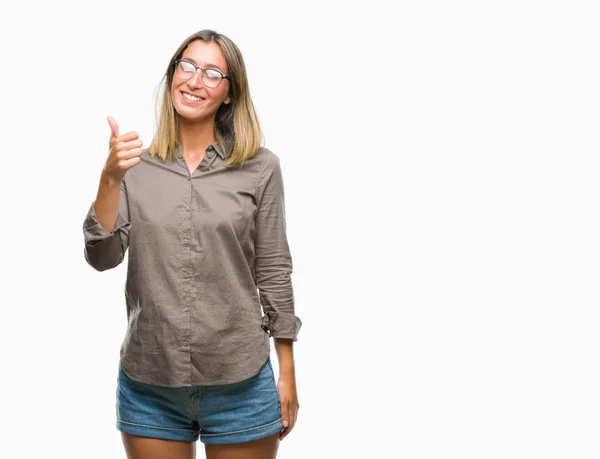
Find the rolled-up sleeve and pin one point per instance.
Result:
(106, 249)
(273, 261)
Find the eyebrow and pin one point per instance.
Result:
(207, 65)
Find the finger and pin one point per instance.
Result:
(283, 433)
(131, 162)
(285, 415)
(128, 154)
(114, 127)
(293, 417)
(131, 135)
(130, 144)
(285, 419)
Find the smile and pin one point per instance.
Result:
(191, 98)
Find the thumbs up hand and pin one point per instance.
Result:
(125, 151)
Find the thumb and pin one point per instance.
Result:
(114, 128)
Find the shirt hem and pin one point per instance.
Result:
(136, 377)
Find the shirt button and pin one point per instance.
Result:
(189, 178)
(186, 342)
(186, 242)
(186, 309)
(187, 208)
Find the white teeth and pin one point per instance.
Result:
(187, 96)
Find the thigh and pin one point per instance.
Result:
(138, 447)
(241, 412)
(263, 448)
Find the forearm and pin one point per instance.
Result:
(107, 202)
(106, 226)
(285, 355)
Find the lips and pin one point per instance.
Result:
(184, 92)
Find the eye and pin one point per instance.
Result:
(186, 66)
(213, 74)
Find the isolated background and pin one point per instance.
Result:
(441, 169)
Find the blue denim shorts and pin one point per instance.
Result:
(227, 413)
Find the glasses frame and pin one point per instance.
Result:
(196, 67)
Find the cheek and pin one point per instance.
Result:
(223, 98)
(174, 95)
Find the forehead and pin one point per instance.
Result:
(205, 54)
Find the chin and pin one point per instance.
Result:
(195, 116)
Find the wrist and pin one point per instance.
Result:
(287, 369)
(109, 181)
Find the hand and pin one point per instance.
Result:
(124, 153)
(288, 399)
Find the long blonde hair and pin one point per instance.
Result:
(237, 129)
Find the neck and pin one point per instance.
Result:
(195, 137)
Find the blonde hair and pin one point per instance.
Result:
(237, 129)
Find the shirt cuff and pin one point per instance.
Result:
(282, 325)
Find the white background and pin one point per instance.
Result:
(441, 170)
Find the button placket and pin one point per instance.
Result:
(188, 259)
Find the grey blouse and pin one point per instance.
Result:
(207, 250)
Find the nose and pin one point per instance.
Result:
(196, 80)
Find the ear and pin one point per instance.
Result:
(226, 101)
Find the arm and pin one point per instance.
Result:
(106, 226)
(273, 261)
(285, 355)
(273, 265)
(286, 385)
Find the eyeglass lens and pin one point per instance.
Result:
(210, 78)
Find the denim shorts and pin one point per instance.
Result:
(227, 413)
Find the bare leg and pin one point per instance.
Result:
(264, 448)
(154, 448)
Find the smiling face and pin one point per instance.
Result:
(207, 55)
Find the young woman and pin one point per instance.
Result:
(202, 214)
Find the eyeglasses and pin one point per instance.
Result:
(210, 77)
